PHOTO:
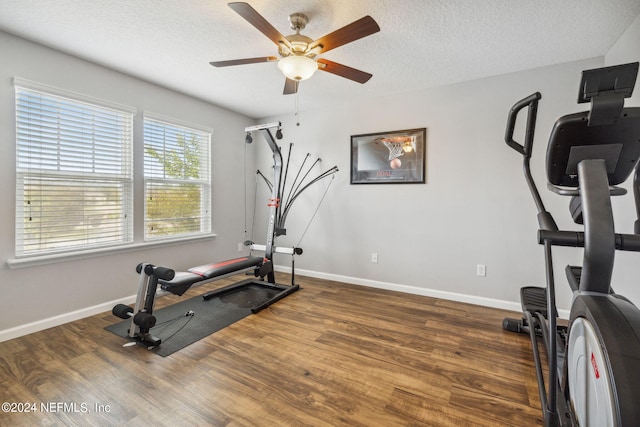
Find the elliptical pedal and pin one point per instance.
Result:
(534, 300)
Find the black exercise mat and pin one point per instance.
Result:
(177, 327)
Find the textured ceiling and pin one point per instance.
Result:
(422, 43)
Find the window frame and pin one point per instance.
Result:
(123, 181)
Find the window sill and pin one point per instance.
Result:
(17, 263)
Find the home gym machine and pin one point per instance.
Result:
(177, 283)
(593, 376)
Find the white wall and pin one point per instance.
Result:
(474, 209)
(77, 288)
(625, 50)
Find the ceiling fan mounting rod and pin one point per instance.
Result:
(298, 21)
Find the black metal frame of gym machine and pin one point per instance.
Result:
(266, 269)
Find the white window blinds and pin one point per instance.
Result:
(177, 180)
(74, 174)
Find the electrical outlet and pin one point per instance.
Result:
(374, 257)
(481, 270)
(239, 247)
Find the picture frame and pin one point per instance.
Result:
(395, 157)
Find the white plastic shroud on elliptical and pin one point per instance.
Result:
(590, 389)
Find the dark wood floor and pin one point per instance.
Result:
(331, 354)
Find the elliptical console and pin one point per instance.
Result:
(594, 362)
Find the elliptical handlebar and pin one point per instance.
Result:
(545, 220)
(530, 101)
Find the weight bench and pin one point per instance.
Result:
(177, 283)
(141, 315)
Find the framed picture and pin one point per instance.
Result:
(396, 157)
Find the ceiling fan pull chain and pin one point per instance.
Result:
(297, 110)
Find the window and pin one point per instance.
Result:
(74, 186)
(177, 180)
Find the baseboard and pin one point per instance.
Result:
(40, 325)
(415, 290)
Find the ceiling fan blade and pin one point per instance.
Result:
(254, 18)
(290, 87)
(243, 61)
(343, 71)
(356, 30)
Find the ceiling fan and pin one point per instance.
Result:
(298, 53)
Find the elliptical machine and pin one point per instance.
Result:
(593, 375)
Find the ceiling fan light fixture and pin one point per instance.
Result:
(297, 67)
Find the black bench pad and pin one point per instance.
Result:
(184, 279)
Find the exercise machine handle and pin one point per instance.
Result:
(575, 239)
(530, 101)
(545, 220)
